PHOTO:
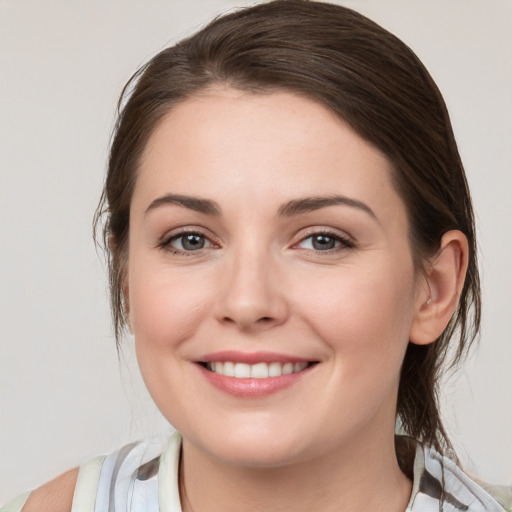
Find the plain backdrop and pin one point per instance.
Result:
(64, 397)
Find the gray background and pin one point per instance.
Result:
(63, 396)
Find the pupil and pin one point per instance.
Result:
(323, 242)
(193, 242)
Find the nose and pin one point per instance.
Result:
(252, 297)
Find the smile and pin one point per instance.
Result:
(253, 375)
(255, 371)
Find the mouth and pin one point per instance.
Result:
(260, 370)
(253, 375)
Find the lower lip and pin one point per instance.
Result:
(253, 388)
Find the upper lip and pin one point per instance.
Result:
(251, 357)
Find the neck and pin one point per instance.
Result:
(359, 477)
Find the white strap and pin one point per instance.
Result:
(87, 485)
(168, 492)
(17, 503)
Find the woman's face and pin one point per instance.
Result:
(266, 237)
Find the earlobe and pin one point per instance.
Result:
(438, 298)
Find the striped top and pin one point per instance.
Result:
(132, 480)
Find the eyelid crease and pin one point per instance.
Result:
(346, 243)
(166, 246)
(331, 232)
(185, 230)
(164, 242)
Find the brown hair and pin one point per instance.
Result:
(367, 77)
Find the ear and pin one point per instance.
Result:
(438, 294)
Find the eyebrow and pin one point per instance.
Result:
(197, 204)
(309, 204)
(289, 209)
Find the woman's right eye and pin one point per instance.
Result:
(187, 242)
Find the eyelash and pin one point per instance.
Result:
(166, 243)
(344, 242)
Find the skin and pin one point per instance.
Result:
(259, 285)
(54, 496)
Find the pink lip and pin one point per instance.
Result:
(250, 357)
(252, 388)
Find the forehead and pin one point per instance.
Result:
(249, 148)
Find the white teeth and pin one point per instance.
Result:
(274, 369)
(287, 368)
(298, 367)
(229, 369)
(255, 371)
(242, 371)
(259, 371)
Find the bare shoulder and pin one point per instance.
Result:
(54, 496)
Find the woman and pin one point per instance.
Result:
(292, 245)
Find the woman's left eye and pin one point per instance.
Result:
(188, 242)
(324, 242)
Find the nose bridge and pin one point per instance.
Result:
(251, 296)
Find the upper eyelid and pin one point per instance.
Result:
(166, 243)
(186, 230)
(317, 230)
(182, 235)
(300, 236)
(344, 242)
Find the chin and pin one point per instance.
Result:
(249, 446)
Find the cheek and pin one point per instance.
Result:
(166, 309)
(362, 314)
(165, 306)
